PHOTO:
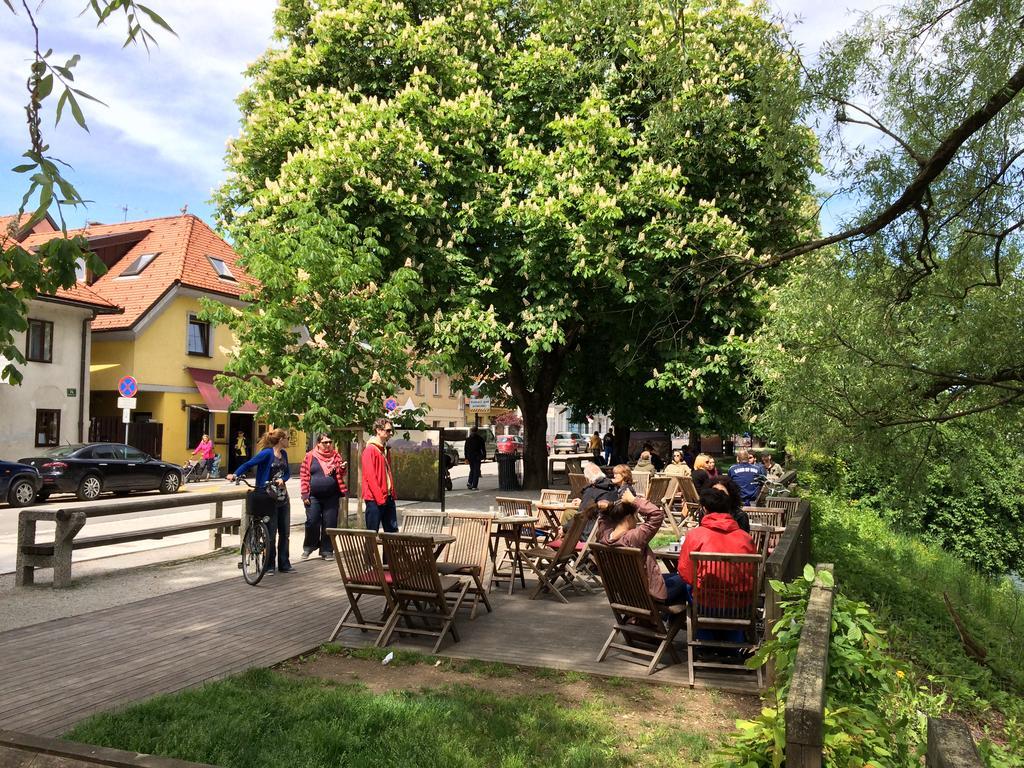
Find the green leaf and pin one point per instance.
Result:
(45, 87)
(24, 168)
(156, 18)
(60, 106)
(76, 111)
(826, 578)
(809, 572)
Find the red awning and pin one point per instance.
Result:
(215, 401)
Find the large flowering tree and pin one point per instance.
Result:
(483, 184)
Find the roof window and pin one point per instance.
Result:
(138, 265)
(221, 268)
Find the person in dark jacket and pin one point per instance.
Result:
(727, 484)
(475, 451)
(272, 472)
(598, 488)
(609, 444)
(321, 485)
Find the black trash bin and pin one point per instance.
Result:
(508, 475)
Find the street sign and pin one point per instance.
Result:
(127, 402)
(479, 403)
(391, 404)
(126, 418)
(127, 386)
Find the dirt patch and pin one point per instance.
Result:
(699, 710)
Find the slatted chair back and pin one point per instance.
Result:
(577, 482)
(412, 565)
(571, 535)
(555, 566)
(657, 489)
(472, 532)
(766, 516)
(641, 481)
(574, 465)
(787, 503)
(726, 588)
(358, 559)
(509, 506)
(624, 575)
(688, 489)
(423, 522)
(771, 540)
(549, 495)
(759, 535)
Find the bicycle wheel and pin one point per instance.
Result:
(254, 551)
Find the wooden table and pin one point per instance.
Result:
(551, 510)
(509, 528)
(441, 540)
(670, 557)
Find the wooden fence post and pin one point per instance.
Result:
(216, 534)
(805, 702)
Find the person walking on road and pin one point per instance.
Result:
(321, 485)
(609, 444)
(271, 465)
(379, 480)
(475, 451)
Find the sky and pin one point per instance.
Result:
(159, 142)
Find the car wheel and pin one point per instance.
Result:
(170, 483)
(21, 494)
(90, 488)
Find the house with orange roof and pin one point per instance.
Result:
(159, 271)
(51, 405)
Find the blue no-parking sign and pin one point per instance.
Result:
(390, 404)
(128, 386)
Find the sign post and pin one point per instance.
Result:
(128, 387)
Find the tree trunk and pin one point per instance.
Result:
(535, 459)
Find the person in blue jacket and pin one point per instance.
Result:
(271, 465)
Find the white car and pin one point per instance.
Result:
(569, 442)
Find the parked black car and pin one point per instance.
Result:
(89, 470)
(19, 483)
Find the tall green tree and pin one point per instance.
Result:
(484, 179)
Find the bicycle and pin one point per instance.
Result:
(255, 540)
(770, 489)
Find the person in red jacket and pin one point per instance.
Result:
(322, 485)
(379, 480)
(718, 532)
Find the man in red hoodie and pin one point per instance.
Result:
(378, 479)
(718, 532)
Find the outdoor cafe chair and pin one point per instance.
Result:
(552, 563)
(639, 618)
(423, 522)
(787, 503)
(469, 555)
(685, 503)
(550, 525)
(362, 573)
(766, 516)
(420, 592)
(641, 481)
(577, 482)
(724, 600)
(657, 489)
(580, 567)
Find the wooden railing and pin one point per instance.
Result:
(786, 563)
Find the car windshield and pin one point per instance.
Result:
(63, 451)
(563, 436)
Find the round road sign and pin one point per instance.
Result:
(128, 386)
(391, 404)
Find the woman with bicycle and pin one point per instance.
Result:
(322, 484)
(271, 464)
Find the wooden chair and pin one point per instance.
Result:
(766, 516)
(469, 555)
(574, 466)
(552, 565)
(550, 526)
(638, 616)
(510, 506)
(684, 504)
(419, 590)
(553, 495)
(580, 567)
(725, 598)
(788, 503)
(657, 489)
(422, 522)
(641, 481)
(362, 573)
(577, 482)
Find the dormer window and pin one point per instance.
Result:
(137, 266)
(222, 269)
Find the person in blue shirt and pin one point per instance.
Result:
(271, 465)
(749, 477)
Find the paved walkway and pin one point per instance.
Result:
(59, 672)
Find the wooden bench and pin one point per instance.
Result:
(56, 554)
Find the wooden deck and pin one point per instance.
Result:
(60, 672)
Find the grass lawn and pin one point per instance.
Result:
(344, 708)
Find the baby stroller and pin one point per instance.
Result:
(195, 470)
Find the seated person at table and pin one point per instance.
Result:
(622, 479)
(644, 463)
(617, 526)
(703, 471)
(599, 488)
(717, 532)
(773, 470)
(656, 460)
(727, 484)
(749, 477)
(678, 467)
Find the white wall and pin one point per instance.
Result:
(45, 385)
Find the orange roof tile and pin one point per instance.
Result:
(182, 244)
(81, 294)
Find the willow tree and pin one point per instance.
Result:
(472, 184)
